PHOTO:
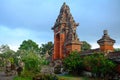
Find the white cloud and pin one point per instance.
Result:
(117, 46)
(13, 47)
(94, 45)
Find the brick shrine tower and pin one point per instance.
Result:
(65, 36)
(106, 43)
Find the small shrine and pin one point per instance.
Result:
(106, 43)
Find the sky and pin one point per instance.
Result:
(33, 19)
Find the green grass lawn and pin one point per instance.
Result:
(70, 77)
(22, 78)
(66, 77)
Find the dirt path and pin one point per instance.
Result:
(4, 77)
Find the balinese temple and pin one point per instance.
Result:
(106, 43)
(66, 39)
(65, 36)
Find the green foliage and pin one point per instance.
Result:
(85, 46)
(73, 62)
(4, 48)
(31, 61)
(98, 63)
(46, 48)
(117, 49)
(6, 54)
(11, 59)
(1, 62)
(43, 60)
(29, 45)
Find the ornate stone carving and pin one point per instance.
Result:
(65, 27)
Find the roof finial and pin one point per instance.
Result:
(105, 32)
(64, 3)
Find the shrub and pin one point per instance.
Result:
(99, 64)
(74, 63)
(32, 62)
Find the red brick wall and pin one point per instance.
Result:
(106, 48)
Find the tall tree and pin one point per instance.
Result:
(4, 48)
(6, 54)
(46, 48)
(29, 45)
(5, 51)
(85, 46)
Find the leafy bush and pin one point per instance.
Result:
(74, 63)
(99, 64)
(31, 62)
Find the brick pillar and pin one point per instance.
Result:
(54, 53)
(56, 46)
(62, 38)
